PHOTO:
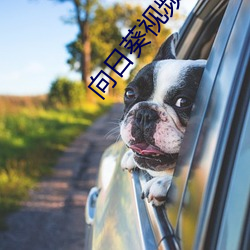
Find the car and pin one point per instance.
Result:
(208, 203)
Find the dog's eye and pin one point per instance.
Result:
(183, 102)
(130, 94)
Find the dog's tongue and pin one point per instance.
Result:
(145, 149)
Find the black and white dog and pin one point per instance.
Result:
(158, 103)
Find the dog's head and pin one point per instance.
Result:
(158, 103)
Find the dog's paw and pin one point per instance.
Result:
(156, 189)
(127, 162)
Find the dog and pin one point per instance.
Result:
(158, 102)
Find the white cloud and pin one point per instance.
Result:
(33, 78)
(34, 67)
(19, 74)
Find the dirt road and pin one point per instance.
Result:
(53, 218)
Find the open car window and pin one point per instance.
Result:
(213, 27)
(195, 42)
(202, 22)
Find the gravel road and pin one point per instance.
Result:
(53, 218)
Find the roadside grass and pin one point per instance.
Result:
(31, 139)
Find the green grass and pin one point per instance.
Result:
(31, 139)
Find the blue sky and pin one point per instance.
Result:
(32, 45)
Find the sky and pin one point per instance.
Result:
(32, 44)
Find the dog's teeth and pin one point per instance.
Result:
(155, 155)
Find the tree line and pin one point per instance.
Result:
(100, 30)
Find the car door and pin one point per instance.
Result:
(122, 220)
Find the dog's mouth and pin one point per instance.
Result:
(149, 152)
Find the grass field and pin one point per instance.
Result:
(31, 139)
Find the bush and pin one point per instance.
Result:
(65, 92)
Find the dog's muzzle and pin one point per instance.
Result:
(145, 118)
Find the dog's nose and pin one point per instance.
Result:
(145, 117)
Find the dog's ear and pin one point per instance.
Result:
(167, 49)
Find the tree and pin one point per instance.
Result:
(104, 36)
(83, 16)
(101, 30)
(106, 31)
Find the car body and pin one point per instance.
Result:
(209, 198)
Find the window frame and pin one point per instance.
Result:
(162, 227)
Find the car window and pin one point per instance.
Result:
(165, 222)
(195, 43)
(188, 147)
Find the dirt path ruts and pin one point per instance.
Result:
(53, 218)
